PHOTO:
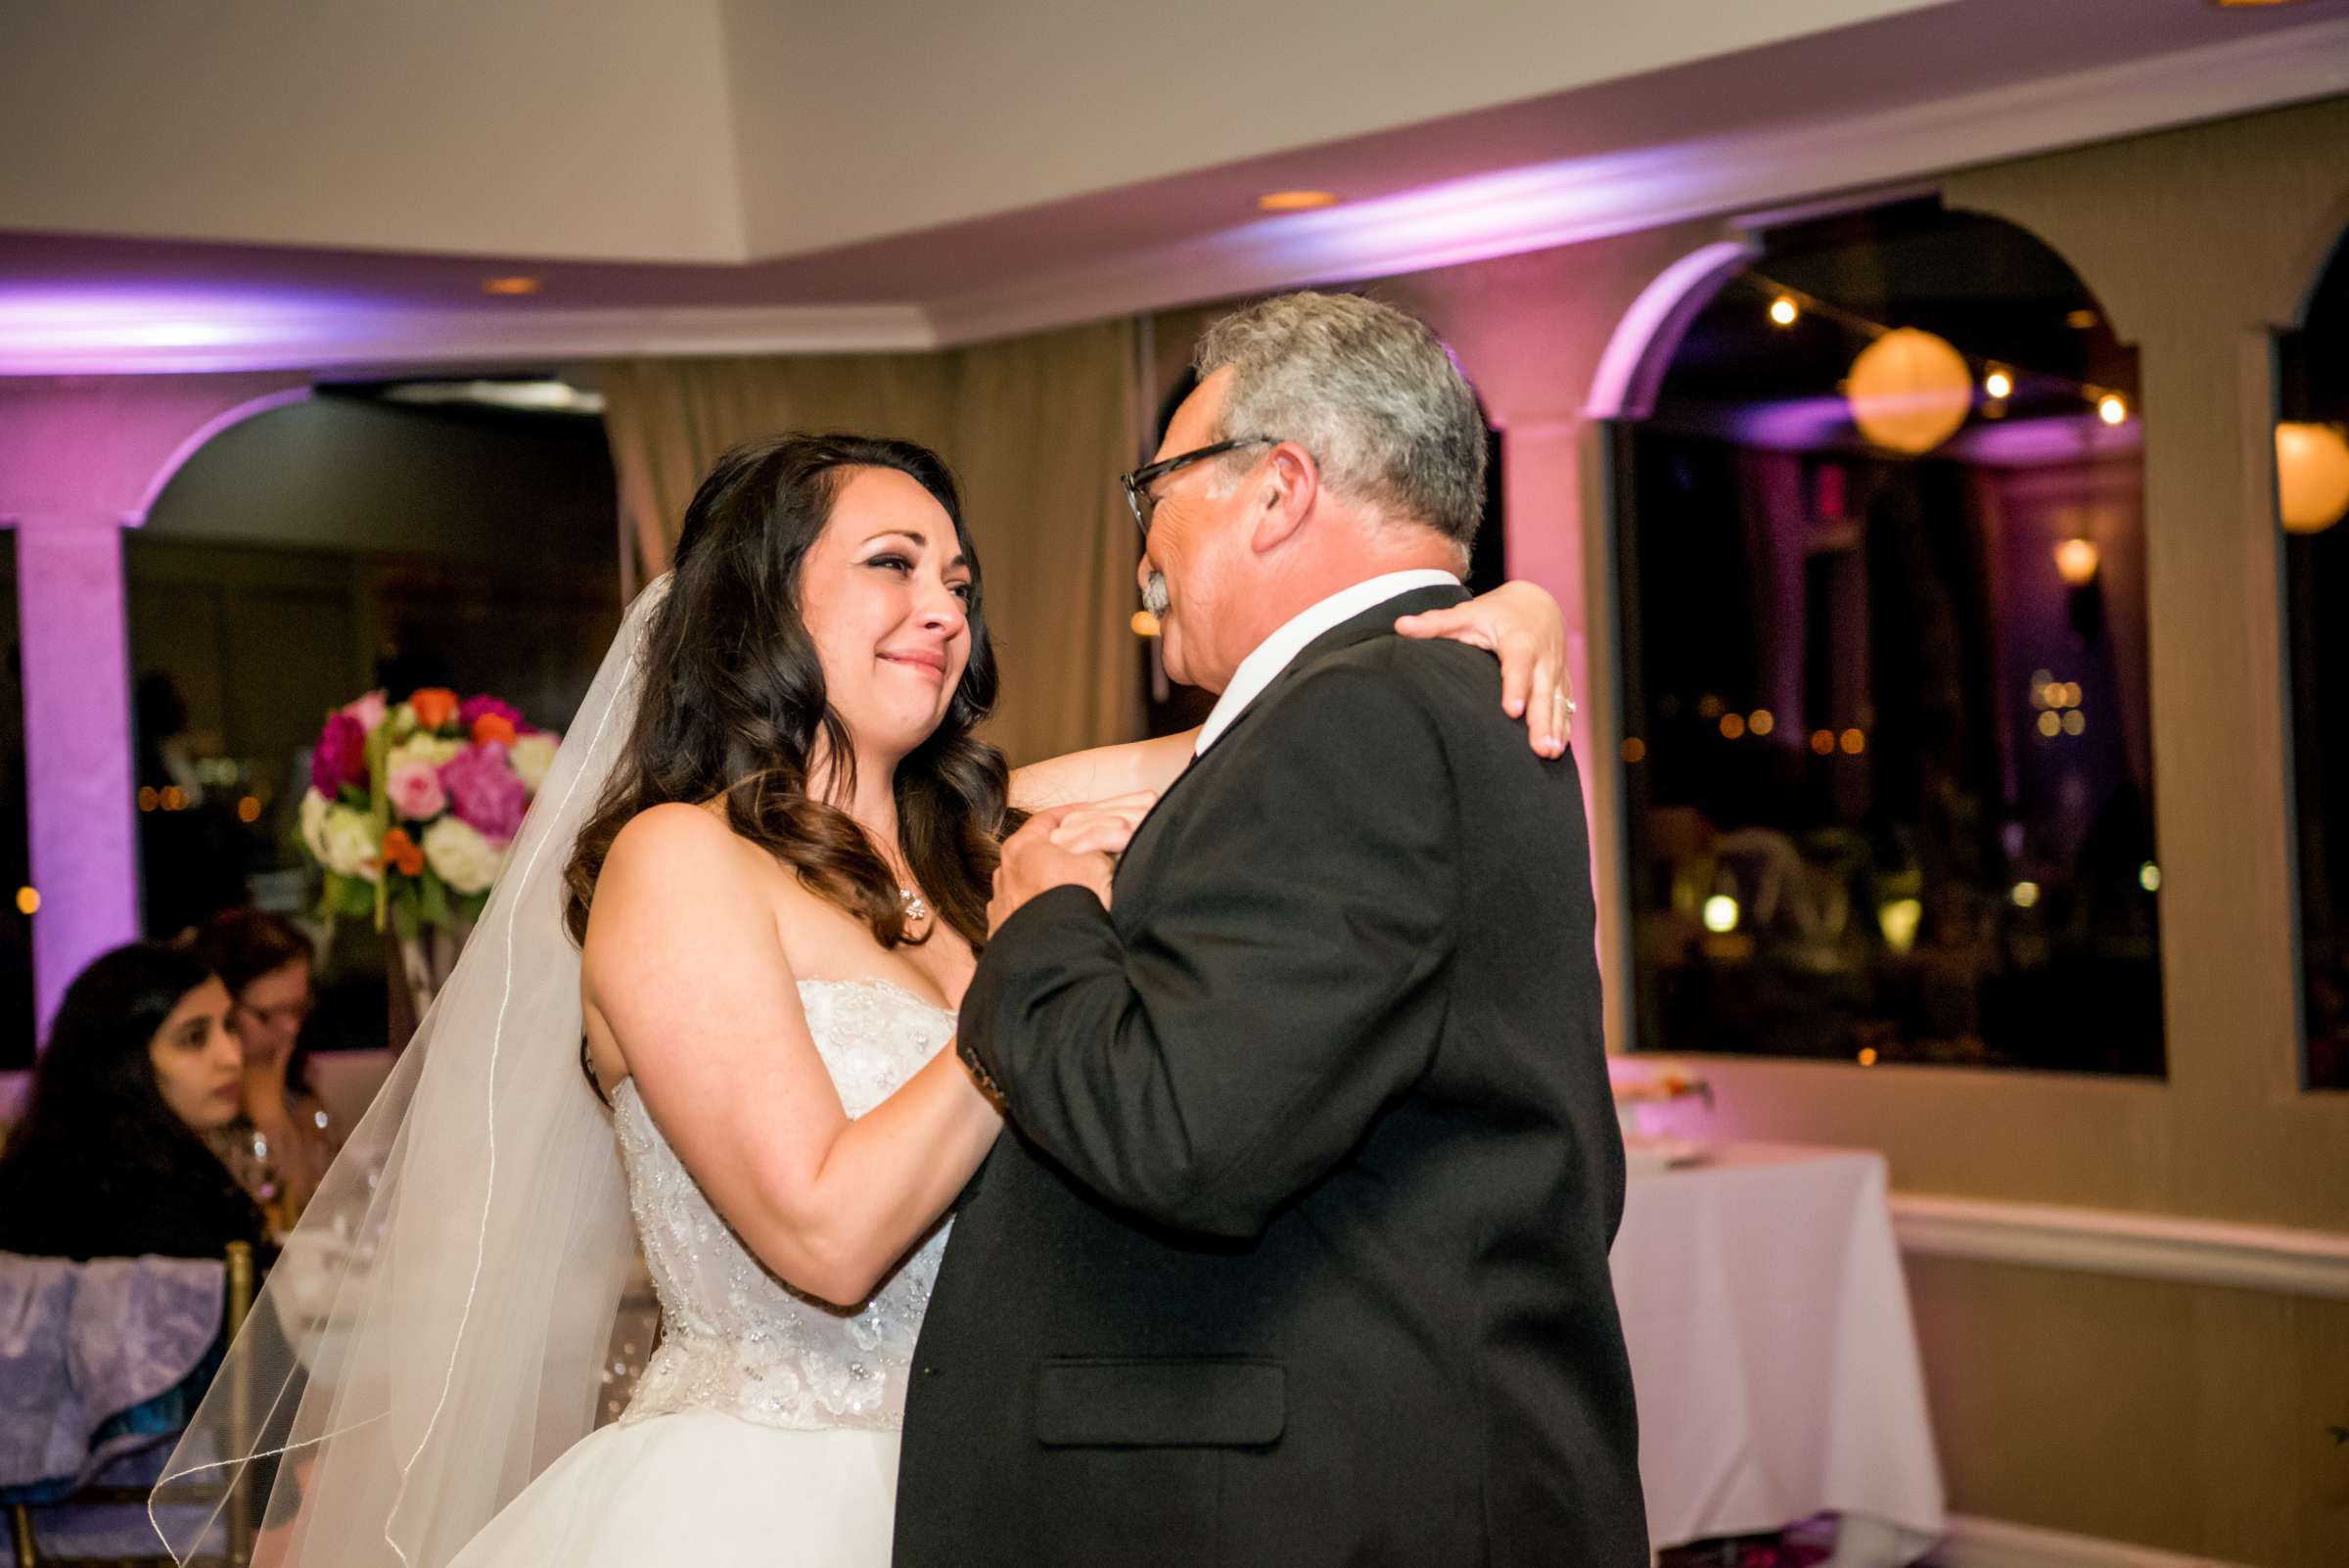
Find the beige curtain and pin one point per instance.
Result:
(1037, 429)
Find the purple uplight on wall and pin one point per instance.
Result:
(83, 331)
(79, 459)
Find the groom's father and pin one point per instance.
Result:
(1297, 1253)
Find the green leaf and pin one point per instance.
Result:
(330, 901)
(434, 900)
(359, 896)
(404, 920)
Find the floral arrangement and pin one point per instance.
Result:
(413, 806)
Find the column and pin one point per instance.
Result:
(77, 747)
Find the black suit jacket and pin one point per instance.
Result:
(1296, 1253)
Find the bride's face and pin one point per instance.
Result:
(884, 593)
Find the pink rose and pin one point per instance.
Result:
(368, 709)
(340, 757)
(414, 786)
(485, 793)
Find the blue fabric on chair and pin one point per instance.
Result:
(98, 1359)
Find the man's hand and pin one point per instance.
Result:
(1032, 864)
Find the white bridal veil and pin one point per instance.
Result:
(433, 1334)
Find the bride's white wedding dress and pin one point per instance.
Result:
(764, 1429)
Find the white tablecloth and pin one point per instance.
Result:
(1773, 1354)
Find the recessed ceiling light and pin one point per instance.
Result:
(510, 285)
(1295, 201)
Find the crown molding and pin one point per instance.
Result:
(197, 338)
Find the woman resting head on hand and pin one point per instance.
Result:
(110, 1159)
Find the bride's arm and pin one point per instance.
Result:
(1518, 622)
(684, 965)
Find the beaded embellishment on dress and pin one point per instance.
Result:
(737, 1338)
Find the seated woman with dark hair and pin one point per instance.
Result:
(283, 1141)
(109, 1163)
(110, 1160)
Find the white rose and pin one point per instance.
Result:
(428, 749)
(314, 807)
(531, 756)
(351, 849)
(461, 856)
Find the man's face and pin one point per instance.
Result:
(1193, 566)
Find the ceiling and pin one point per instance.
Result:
(256, 184)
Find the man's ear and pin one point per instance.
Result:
(1282, 496)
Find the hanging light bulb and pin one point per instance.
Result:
(2311, 475)
(1998, 383)
(2112, 409)
(1783, 310)
(2076, 562)
(1910, 391)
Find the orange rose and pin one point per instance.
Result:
(434, 706)
(401, 854)
(493, 727)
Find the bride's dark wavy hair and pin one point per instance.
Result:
(732, 700)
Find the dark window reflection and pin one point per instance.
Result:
(1887, 755)
(2313, 482)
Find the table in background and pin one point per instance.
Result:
(1773, 1354)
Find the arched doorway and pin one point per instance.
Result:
(381, 535)
(1887, 766)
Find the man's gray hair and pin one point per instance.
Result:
(1369, 392)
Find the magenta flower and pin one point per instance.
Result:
(474, 708)
(485, 793)
(340, 757)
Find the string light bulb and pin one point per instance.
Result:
(2112, 409)
(1998, 383)
(1785, 311)
(2076, 562)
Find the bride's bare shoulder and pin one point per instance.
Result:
(676, 862)
(675, 836)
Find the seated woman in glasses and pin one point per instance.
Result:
(283, 1141)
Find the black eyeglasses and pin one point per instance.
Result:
(1136, 484)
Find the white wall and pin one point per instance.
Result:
(557, 128)
(883, 116)
(716, 130)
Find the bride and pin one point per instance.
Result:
(770, 836)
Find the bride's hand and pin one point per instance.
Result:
(1103, 827)
(1522, 625)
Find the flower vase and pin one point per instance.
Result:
(419, 967)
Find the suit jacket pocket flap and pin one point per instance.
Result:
(1180, 1403)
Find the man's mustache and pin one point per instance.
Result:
(1154, 594)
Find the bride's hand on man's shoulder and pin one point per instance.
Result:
(1523, 625)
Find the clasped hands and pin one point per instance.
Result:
(1066, 846)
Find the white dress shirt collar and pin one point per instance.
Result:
(1278, 651)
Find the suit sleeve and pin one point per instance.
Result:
(1282, 990)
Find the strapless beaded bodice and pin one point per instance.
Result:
(733, 1336)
